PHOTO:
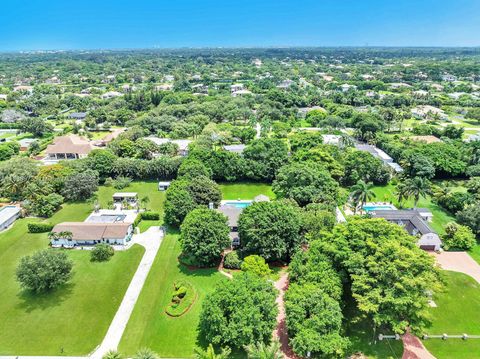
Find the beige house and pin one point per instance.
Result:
(71, 234)
(69, 147)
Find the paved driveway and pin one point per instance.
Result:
(151, 240)
(459, 262)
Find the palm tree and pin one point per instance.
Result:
(145, 353)
(210, 353)
(414, 187)
(112, 354)
(145, 201)
(262, 351)
(360, 194)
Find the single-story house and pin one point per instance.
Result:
(69, 147)
(163, 185)
(8, 215)
(423, 111)
(25, 143)
(129, 197)
(70, 234)
(234, 148)
(241, 93)
(414, 221)
(382, 155)
(182, 144)
(111, 94)
(233, 214)
(79, 116)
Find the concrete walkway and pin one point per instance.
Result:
(151, 240)
(459, 262)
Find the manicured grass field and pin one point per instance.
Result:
(149, 325)
(71, 320)
(456, 313)
(440, 216)
(245, 190)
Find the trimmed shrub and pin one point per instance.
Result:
(232, 261)
(183, 297)
(150, 216)
(39, 227)
(102, 252)
(137, 220)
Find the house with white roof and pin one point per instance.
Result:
(182, 144)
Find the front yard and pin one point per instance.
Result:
(456, 313)
(71, 320)
(149, 325)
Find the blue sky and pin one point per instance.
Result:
(91, 24)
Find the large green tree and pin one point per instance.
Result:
(239, 312)
(44, 270)
(305, 183)
(270, 229)
(204, 236)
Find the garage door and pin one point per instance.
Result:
(427, 248)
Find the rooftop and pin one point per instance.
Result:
(82, 231)
(70, 144)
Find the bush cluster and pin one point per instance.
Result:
(39, 227)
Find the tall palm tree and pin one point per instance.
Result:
(415, 187)
(210, 353)
(145, 353)
(262, 351)
(360, 194)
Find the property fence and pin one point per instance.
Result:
(430, 336)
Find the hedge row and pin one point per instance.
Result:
(39, 227)
(150, 216)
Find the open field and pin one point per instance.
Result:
(71, 320)
(456, 313)
(149, 325)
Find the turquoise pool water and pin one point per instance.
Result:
(238, 204)
(378, 208)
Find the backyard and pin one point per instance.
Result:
(456, 313)
(440, 216)
(73, 319)
(245, 190)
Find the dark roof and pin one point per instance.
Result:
(232, 213)
(406, 216)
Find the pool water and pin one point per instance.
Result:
(238, 204)
(378, 208)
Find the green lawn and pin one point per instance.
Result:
(73, 318)
(149, 326)
(362, 337)
(245, 190)
(456, 313)
(440, 216)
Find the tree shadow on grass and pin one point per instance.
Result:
(32, 301)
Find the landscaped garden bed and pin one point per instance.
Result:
(183, 297)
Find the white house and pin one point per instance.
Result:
(111, 94)
(71, 234)
(8, 215)
(182, 144)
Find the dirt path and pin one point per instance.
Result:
(413, 348)
(281, 331)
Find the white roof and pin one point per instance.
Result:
(182, 144)
(125, 194)
(7, 212)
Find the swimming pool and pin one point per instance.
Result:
(370, 208)
(237, 204)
